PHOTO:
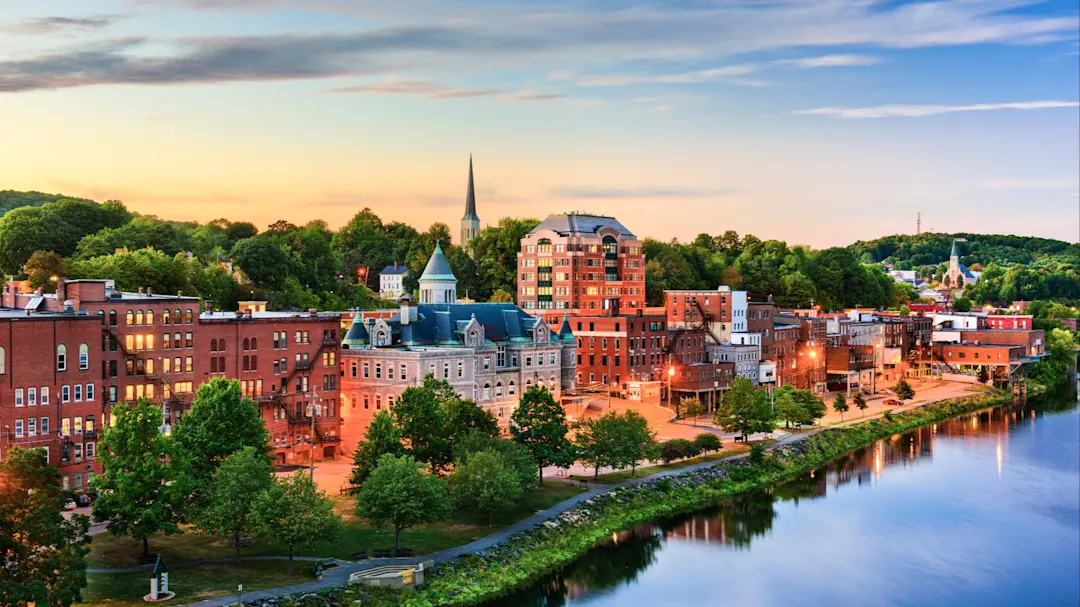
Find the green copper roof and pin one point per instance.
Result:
(357, 335)
(437, 267)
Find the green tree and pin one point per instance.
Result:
(380, 438)
(44, 269)
(745, 410)
(501, 296)
(42, 555)
(539, 423)
(515, 454)
(984, 375)
(462, 416)
(136, 269)
(399, 495)
(141, 491)
(486, 483)
(421, 420)
(593, 441)
(707, 441)
(295, 512)
(677, 448)
(860, 402)
(692, 408)
(221, 422)
(496, 249)
(839, 404)
(55, 226)
(962, 304)
(234, 488)
(633, 440)
(903, 390)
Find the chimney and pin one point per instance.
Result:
(395, 265)
(405, 316)
(140, 290)
(149, 290)
(179, 293)
(312, 311)
(69, 306)
(209, 305)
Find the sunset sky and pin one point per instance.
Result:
(814, 121)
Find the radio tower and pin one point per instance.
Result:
(918, 223)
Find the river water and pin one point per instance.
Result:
(983, 509)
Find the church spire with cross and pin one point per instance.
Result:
(470, 222)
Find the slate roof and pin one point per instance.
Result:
(576, 224)
(401, 269)
(444, 325)
(437, 267)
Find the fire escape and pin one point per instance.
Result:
(168, 393)
(279, 398)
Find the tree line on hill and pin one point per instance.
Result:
(313, 266)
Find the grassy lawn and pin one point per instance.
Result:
(108, 550)
(193, 583)
(622, 475)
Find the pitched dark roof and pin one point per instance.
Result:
(357, 335)
(394, 270)
(574, 223)
(437, 267)
(564, 330)
(444, 324)
(470, 197)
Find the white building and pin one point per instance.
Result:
(438, 285)
(390, 281)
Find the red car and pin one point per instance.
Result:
(892, 402)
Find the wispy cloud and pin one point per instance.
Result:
(1030, 184)
(53, 25)
(918, 111)
(830, 61)
(710, 75)
(526, 96)
(593, 193)
(430, 90)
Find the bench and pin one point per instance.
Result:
(382, 553)
(244, 540)
(402, 552)
(359, 556)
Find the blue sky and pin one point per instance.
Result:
(816, 122)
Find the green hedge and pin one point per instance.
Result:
(526, 557)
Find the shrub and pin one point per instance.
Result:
(757, 454)
(676, 448)
(707, 441)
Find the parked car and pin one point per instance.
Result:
(70, 505)
(85, 499)
(892, 402)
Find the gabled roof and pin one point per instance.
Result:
(388, 270)
(576, 224)
(437, 267)
(564, 331)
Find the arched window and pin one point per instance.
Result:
(112, 318)
(84, 357)
(187, 317)
(149, 317)
(247, 342)
(213, 345)
(528, 383)
(221, 345)
(165, 316)
(603, 343)
(554, 384)
(138, 317)
(487, 391)
(254, 343)
(176, 316)
(498, 389)
(512, 388)
(3, 361)
(129, 318)
(61, 357)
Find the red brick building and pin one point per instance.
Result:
(287, 362)
(50, 389)
(615, 349)
(1010, 322)
(577, 261)
(160, 347)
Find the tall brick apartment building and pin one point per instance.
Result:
(584, 262)
(49, 389)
